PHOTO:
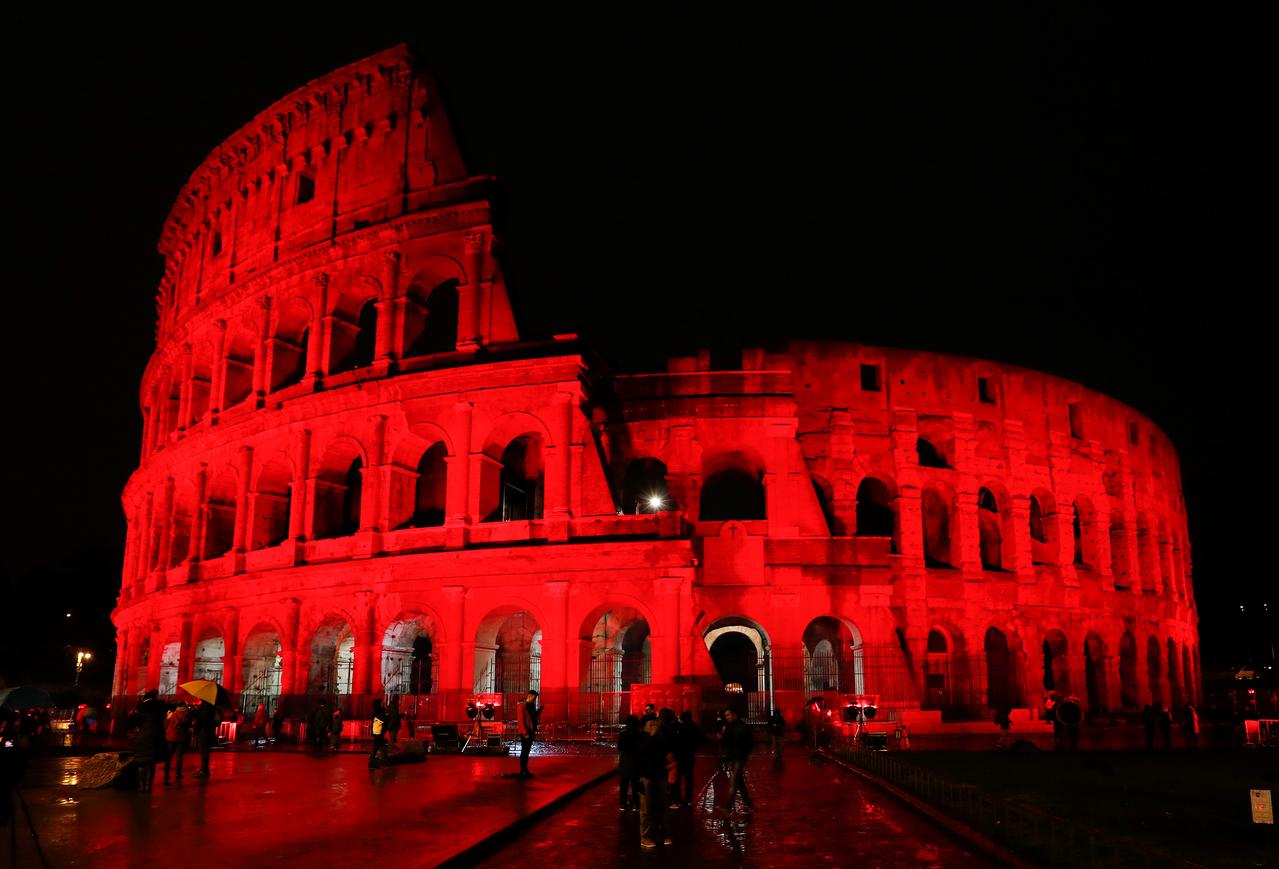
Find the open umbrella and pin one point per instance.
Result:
(208, 691)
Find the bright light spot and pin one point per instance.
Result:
(68, 615)
(655, 502)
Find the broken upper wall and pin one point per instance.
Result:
(354, 148)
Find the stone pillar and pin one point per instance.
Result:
(143, 565)
(457, 493)
(390, 333)
(1063, 523)
(186, 658)
(165, 521)
(241, 531)
(665, 635)
(558, 466)
(1099, 529)
(967, 540)
(184, 389)
(301, 449)
(910, 522)
(1019, 517)
(364, 680)
(374, 483)
(470, 303)
(261, 357)
(232, 669)
(217, 389)
(317, 342)
(557, 646)
(199, 516)
(780, 495)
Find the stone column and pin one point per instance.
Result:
(457, 483)
(470, 302)
(374, 484)
(365, 682)
(1019, 516)
(317, 349)
(301, 449)
(199, 516)
(217, 389)
(1063, 523)
(557, 458)
(232, 664)
(261, 356)
(186, 658)
(390, 333)
(665, 635)
(910, 522)
(556, 649)
(241, 531)
(452, 673)
(967, 540)
(165, 521)
(184, 389)
(143, 564)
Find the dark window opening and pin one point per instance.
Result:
(428, 509)
(870, 378)
(929, 455)
(288, 366)
(306, 188)
(874, 509)
(732, 494)
(365, 337)
(1038, 522)
(1076, 421)
(1077, 529)
(989, 531)
(644, 488)
(521, 480)
(439, 331)
(217, 242)
(985, 390)
(351, 499)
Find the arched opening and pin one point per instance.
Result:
(410, 665)
(170, 655)
(219, 528)
(289, 345)
(732, 493)
(1128, 671)
(431, 319)
(1000, 679)
(1041, 530)
(200, 384)
(1057, 663)
(354, 335)
(263, 669)
(206, 662)
(1174, 676)
(1119, 561)
(929, 455)
(644, 488)
(1153, 671)
(1095, 672)
(739, 650)
(990, 531)
(338, 491)
(178, 528)
(519, 494)
(1077, 535)
(935, 512)
(1146, 554)
(620, 656)
(875, 514)
(428, 491)
(271, 505)
(332, 665)
(833, 657)
(937, 672)
(508, 653)
(237, 377)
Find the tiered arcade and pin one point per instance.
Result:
(357, 479)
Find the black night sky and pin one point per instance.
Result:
(1092, 197)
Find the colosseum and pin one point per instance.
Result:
(357, 479)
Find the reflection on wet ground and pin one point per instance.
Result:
(808, 813)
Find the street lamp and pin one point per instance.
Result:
(81, 656)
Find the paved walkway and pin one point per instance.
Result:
(273, 808)
(808, 813)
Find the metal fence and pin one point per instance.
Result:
(1040, 837)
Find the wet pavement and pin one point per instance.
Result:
(277, 808)
(808, 813)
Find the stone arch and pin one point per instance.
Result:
(877, 508)
(620, 648)
(238, 360)
(1001, 669)
(290, 342)
(1147, 555)
(992, 511)
(411, 647)
(1120, 559)
(1128, 671)
(220, 502)
(833, 652)
(945, 671)
(825, 494)
(1084, 532)
(1056, 664)
(200, 386)
(419, 478)
(1175, 697)
(263, 667)
(339, 482)
(1095, 682)
(511, 487)
(1043, 527)
(431, 321)
(331, 657)
(739, 649)
(170, 659)
(508, 650)
(272, 494)
(732, 487)
(644, 487)
(936, 508)
(353, 335)
(208, 654)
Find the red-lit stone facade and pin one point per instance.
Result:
(357, 479)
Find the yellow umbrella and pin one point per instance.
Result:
(208, 691)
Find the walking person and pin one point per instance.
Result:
(736, 748)
(177, 733)
(688, 740)
(629, 742)
(1165, 726)
(277, 723)
(318, 732)
(335, 729)
(527, 716)
(146, 742)
(260, 719)
(776, 731)
(379, 734)
(205, 727)
(658, 761)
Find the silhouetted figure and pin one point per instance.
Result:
(527, 716)
(658, 762)
(205, 728)
(735, 746)
(1165, 726)
(776, 731)
(1190, 726)
(177, 733)
(393, 720)
(379, 734)
(629, 742)
(688, 739)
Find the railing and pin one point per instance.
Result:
(1043, 838)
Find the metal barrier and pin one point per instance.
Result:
(1038, 836)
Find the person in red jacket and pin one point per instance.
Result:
(527, 716)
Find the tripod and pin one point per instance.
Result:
(16, 795)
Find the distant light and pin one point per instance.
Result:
(656, 502)
(68, 615)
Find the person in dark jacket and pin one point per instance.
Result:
(527, 715)
(145, 744)
(379, 733)
(177, 733)
(318, 731)
(1165, 726)
(657, 763)
(629, 742)
(393, 720)
(776, 730)
(205, 727)
(688, 739)
(736, 746)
